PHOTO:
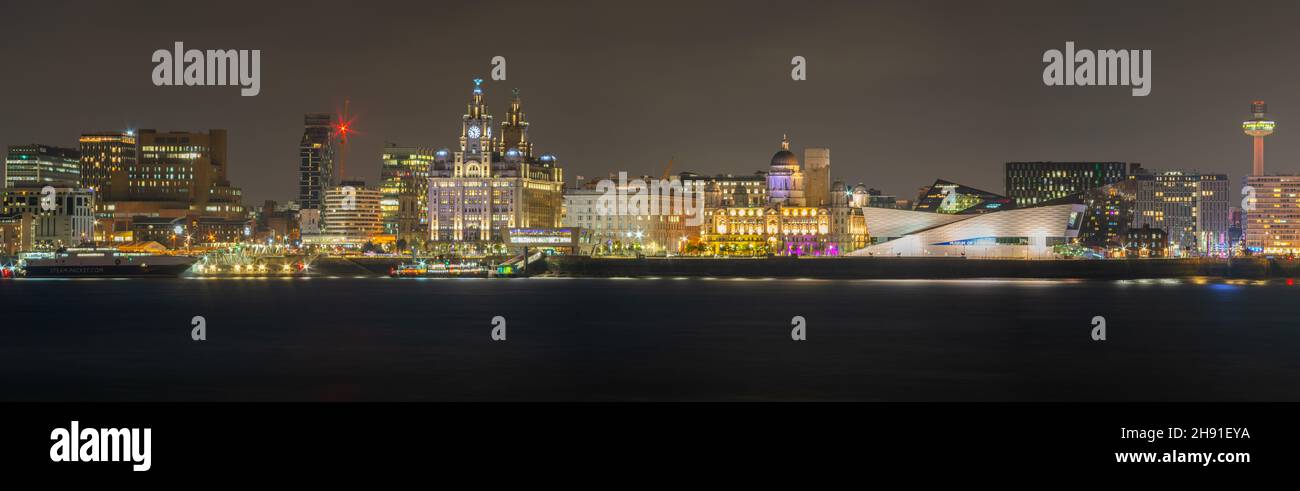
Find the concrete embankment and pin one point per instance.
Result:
(920, 268)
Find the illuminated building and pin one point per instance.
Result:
(817, 183)
(184, 167)
(1191, 207)
(105, 159)
(1145, 242)
(172, 175)
(405, 186)
(71, 222)
(1035, 183)
(785, 178)
(488, 186)
(1025, 233)
(742, 224)
(1257, 128)
(315, 161)
(731, 190)
(352, 213)
(1273, 216)
(42, 165)
(949, 197)
(16, 233)
(848, 224)
(780, 230)
(666, 231)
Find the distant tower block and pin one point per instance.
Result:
(1258, 127)
(817, 171)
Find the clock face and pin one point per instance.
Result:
(488, 130)
(473, 131)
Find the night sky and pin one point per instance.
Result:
(902, 92)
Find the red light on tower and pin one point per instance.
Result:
(343, 129)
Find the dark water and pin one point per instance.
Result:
(648, 339)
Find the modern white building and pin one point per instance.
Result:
(1027, 233)
(1273, 216)
(353, 212)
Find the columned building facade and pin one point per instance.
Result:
(491, 183)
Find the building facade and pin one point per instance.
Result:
(105, 159)
(405, 186)
(785, 178)
(42, 165)
(1192, 208)
(64, 219)
(315, 160)
(1035, 183)
(352, 212)
(1273, 215)
(817, 178)
(491, 183)
(627, 230)
(1028, 233)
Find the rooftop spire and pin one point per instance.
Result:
(785, 142)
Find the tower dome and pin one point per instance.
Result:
(784, 157)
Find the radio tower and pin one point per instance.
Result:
(1258, 127)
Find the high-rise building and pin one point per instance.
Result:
(184, 167)
(1257, 128)
(42, 165)
(785, 184)
(1192, 208)
(315, 160)
(817, 162)
(105, 158)
(405, 185)
(352, 211)
(1273, 216)
(488, 186)
(1035, 183)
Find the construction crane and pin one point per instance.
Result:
(669, 168)
(343, 129)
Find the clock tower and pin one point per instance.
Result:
(475, 156)
(514, 130)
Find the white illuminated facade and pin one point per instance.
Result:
(492, 183)
(1028, 233)
(1273, 216)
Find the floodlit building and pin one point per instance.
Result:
(1273, 216)
(1027, 233)
(352, 212)
(405, 185)
(491, 184)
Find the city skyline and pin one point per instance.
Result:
(902, 102)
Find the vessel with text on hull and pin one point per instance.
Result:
(106, 264)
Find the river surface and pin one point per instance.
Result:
(371, 338)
